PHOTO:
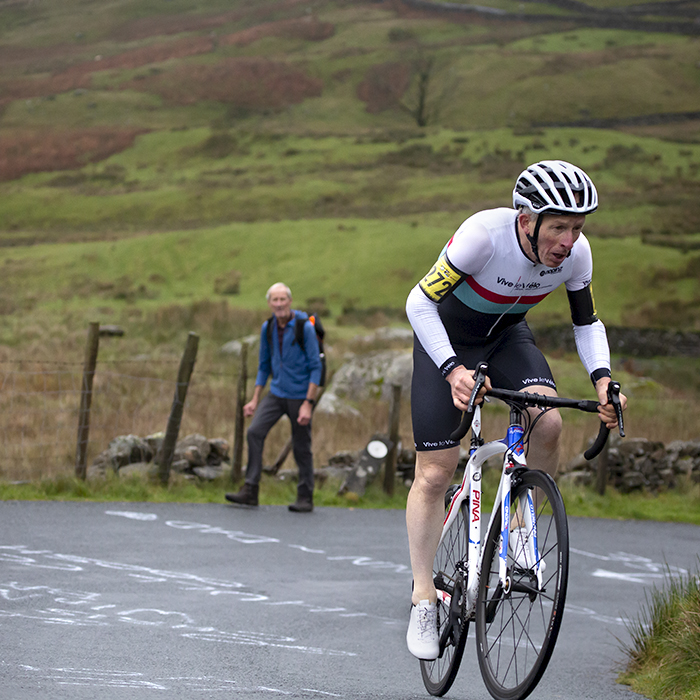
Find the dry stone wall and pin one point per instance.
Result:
(195, 456)
(638, 464)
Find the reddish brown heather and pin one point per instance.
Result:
(306, 28)
(25, 152)
(249, 83)
(78, 75)
(41, 87)
(383, 86)
(181, 48)
(39, 58)
(147, 27)
(66, 77)
(176, 24)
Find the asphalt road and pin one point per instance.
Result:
(143, 601)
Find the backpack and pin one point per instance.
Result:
(299, 338)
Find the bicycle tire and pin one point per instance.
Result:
(449, 573)
(516, 631)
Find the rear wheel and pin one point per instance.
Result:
(517, 624)
(449, 574)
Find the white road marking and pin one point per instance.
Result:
(132, 515)
(107, 678)
(627, 577)
(249, 538)
(643, 569)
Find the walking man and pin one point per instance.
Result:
(296, 373)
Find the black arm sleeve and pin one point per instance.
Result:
(582, 306)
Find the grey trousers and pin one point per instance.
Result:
(269, 411)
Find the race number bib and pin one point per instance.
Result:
(441, 280)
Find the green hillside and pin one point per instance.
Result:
(168, 144)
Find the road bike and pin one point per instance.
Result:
(513, 586)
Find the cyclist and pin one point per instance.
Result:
(471, 306)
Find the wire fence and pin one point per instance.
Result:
(40, 404)
(38, 412)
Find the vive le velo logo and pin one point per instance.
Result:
(539, 380)
(518, 285)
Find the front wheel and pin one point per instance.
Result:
(449, 575)
(517, 623)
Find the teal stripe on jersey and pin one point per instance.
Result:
(476, 302)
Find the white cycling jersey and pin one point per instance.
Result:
(483, 282)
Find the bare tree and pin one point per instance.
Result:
(416, 84)
(417, 99)
(430, 86)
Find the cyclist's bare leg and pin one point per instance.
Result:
(425, 512)
(543, 452)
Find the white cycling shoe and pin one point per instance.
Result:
(422, 636)
(520, 550)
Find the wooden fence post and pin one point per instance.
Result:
(391, 458)
(164, 458)
(91, 348)
(239, 423)
(602, 470)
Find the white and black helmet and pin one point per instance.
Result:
(555, 187)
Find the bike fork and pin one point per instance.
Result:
(530, 524)
(525, 510)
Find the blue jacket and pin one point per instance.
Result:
(294, 369)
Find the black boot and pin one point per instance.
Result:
(304, 502)
(247, 496)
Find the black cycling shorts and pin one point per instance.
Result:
(515, 363)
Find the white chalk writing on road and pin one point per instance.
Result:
(107, 678)
(25, 556)
(248, 538)
(132, 515)
(103, 615)
(637, 569)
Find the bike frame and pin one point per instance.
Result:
(513, 458)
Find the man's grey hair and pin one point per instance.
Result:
(278, 285)
(528, 212)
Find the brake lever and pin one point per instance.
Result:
(614, 399)
(479, 381)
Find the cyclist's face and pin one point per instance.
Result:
(557, 237)
(281, 304)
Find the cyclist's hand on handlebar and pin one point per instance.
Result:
(461, 380)
(606, 410)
